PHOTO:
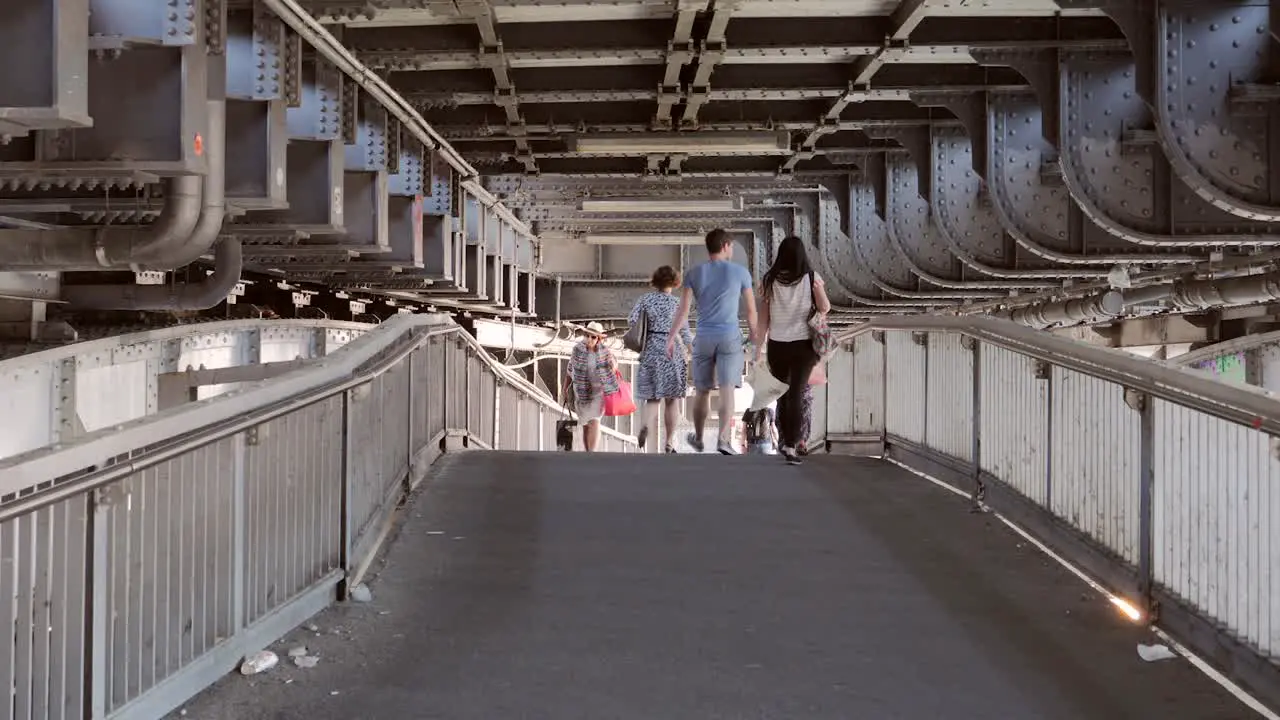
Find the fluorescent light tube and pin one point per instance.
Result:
(654, 205)
(644, 239)
(689, 143)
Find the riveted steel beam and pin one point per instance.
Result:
(964, 217)
(1041, 217)
(1199, 65)
(912, 227)
(319, 115)
(257, 148)
(711, 52)
(1130, 190)
(255, 54)
(162, 132)
(679, 53)
(493, 57)
(52, 89)
(896, 264)
(838, 257)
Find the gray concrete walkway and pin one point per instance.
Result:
(562, 586)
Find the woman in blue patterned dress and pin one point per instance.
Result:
(662, 380)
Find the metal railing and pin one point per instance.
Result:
(1160, 481)
(141, 562)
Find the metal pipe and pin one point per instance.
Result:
(228, 262)
(107, 248)
(1091, 308)
(1185, 295)
(1205, 294)
(185, 230)
(214, 208)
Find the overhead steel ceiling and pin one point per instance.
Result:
(969, 155)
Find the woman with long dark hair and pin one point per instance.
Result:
(791, 294)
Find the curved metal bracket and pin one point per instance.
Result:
(1040, 67)
(1122, 184)
(915, 139)
(1202, 65)
(839, 260)
(911, 228)
(966, 221)
(1040, 217)
(891, 268)
(972, 109)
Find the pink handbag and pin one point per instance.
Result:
(819, 374)
(621, 402)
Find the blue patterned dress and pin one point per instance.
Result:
(658, 376)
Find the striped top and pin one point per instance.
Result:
(789, 310)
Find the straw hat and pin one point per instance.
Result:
(595, 328)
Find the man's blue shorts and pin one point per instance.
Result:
(717, 362)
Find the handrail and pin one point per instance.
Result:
(1241, 404)
(206, 421)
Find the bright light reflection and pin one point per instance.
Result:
(1129, 610)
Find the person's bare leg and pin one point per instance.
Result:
(701, 408)
(591, 435)
(670, 417)
(648, 420)
(726, 414)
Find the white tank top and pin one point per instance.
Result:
(789, 309)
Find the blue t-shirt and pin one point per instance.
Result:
(717, 287)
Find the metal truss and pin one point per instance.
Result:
(934, 155)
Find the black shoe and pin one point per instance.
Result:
(695, 442)
(642, 436)
(789, 454)
(671, 450)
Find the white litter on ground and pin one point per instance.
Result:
(259, 662)
(1155, 653)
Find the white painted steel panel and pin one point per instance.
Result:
(1094, 465)
(1215, 511)
(114, 394)
(27, 400)
(1014, 424)
(839, 392)
(907, 387)
(868, 385)
(949, 403)
(211, 358)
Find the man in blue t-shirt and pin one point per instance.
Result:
(718, 286)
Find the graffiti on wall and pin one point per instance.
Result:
(1227, 368)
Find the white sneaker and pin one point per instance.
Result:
(725, 448)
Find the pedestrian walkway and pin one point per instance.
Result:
(566, 586)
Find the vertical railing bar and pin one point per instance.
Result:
(975, 425)
(239, 542)
(96, 617)
(345, 501)
(924, 399)
(1048, 441)
(1146, 476)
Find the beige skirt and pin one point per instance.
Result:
(592, 410)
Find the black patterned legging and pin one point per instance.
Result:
(806, 407)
